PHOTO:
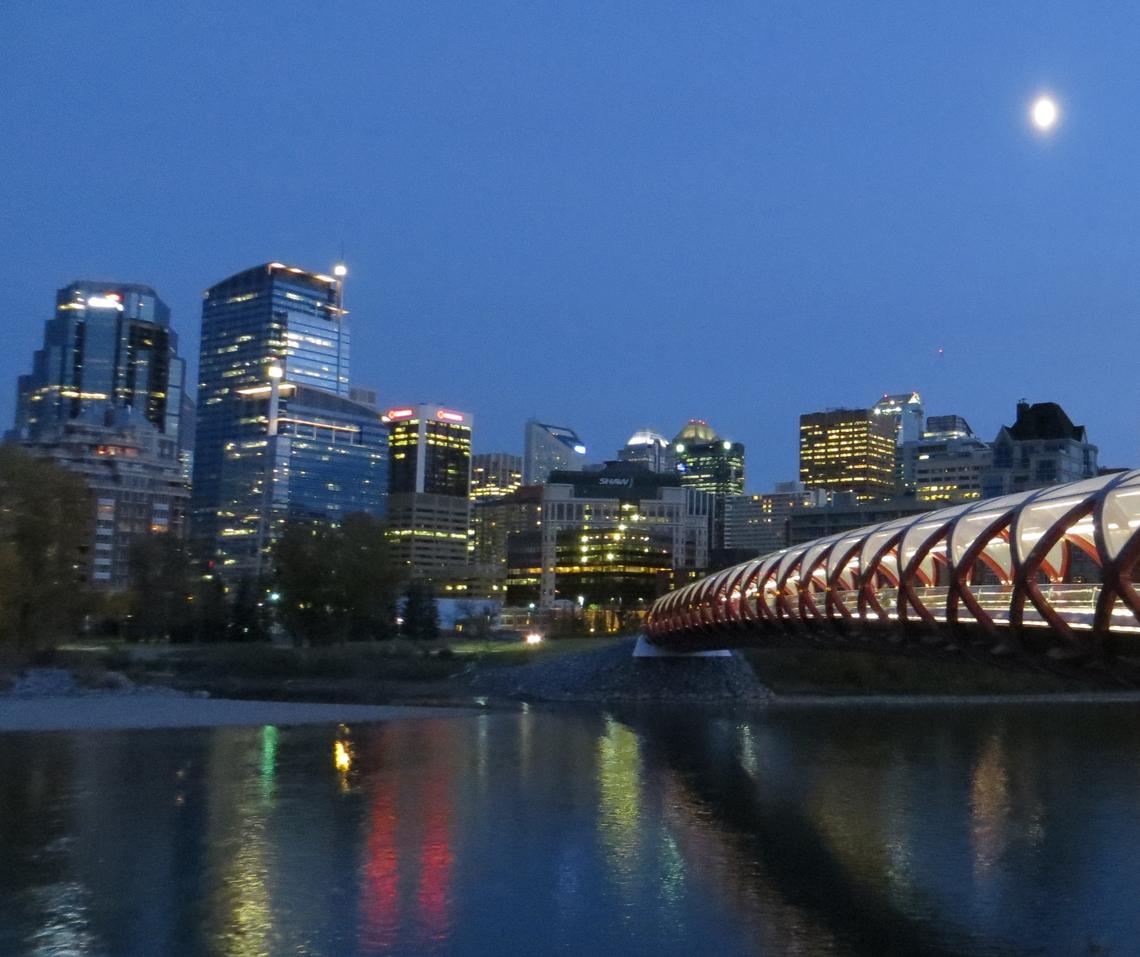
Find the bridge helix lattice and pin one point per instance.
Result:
(1053, 570)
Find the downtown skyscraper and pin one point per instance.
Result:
(278, 436)
(104, 400)
(108, 351)
(430, 491)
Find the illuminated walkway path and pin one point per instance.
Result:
(1053, 570)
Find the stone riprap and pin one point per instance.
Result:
(60, 682)
(613, 674)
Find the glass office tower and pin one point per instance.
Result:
(104, 400)
(108, 353)
(277, 433)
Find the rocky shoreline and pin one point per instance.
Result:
(613, 674)
(65, 683)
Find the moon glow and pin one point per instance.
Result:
(1044, 113)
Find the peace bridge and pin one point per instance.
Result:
(1050, 572)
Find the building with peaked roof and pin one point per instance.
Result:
(1042, 447)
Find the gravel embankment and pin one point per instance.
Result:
(613, 674)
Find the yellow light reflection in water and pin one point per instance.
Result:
(342, 755)
(241, 800)
(619, 779)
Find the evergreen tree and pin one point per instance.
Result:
(421, 618)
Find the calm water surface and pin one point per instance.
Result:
(998, 831)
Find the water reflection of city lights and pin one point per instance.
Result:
(342, 755)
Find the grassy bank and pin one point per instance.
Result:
(844, 671)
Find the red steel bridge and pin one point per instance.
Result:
(1053, 571)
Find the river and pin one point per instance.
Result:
(978, 830)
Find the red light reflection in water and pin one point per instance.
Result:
(410, 818)
(381, 891)
(436, 857)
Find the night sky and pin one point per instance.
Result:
(609, 215)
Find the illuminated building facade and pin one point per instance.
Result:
(108, 350)
(137, 487)
(494, 522)
(905, 413)
(429, 503)
(495, 474)
(710, 464)
(550, 447)
(616, 537)
(277, 434)
(946, 465)
(848, 450)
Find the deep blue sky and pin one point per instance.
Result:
(611, 215)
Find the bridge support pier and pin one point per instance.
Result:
(644, 649)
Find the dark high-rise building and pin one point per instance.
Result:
(848, 450)
(108, 351)
(429, 504)
(550, 447)
(711, 464)
(277, 434)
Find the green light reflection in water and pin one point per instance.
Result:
(268, 760)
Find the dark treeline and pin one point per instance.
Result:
(330, 584)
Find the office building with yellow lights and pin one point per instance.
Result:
(429, 485)
(494, 474)
(946, 465)
(848, 450)
(613, 538)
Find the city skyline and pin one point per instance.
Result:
(525, 205)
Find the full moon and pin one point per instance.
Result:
(1044, 113)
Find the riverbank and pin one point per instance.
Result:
(125, 712)
(594, 671)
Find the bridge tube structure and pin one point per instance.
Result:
(1053, 570)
